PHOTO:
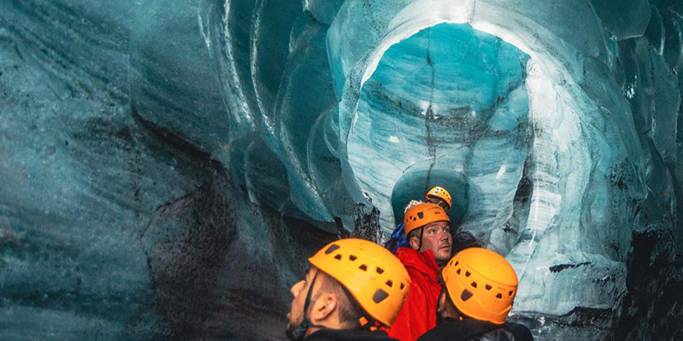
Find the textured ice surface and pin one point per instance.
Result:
(561, 105)
(157, 159)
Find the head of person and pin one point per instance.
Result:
(428, 227)
(440, 196)
(479, 284)
(351, 284)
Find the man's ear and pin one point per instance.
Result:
(414, 243)
(442, 303)
(322, 310)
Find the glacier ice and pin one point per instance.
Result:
(562, 123)
(156, 156)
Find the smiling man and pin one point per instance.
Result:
(352, 288)
(427, 228)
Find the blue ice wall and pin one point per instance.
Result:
(167, 167)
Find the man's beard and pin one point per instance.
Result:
(298, 331)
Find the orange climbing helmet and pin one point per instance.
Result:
(422, 214)
(481, 284)
(440, 193)
(373, 275)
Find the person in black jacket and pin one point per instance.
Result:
(352, 288)
(479, 290)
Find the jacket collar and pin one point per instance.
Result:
(423, 262)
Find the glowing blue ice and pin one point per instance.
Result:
(553, 123)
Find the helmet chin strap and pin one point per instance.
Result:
(439, 318)
(299, 332)
(419, 246)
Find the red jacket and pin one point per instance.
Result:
(418, 314)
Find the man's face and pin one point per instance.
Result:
(299, 290)
(437, 237)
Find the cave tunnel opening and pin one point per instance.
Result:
(415, 183)
(446, 106)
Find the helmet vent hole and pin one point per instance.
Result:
(379, 296)
(466, 294)
(457, 271)
(510, 293)
(499, 296)
(332, 248)
(363, 267)
(352, 257)
(402, 286)
(420, 215)
(456, 263)
(488, 287)
(338, 257)
(467, 274)
(473, 284)
(380, 270)
(390, 284)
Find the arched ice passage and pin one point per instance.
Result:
(447, 100)
(510, 111)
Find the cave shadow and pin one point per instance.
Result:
(414, 183)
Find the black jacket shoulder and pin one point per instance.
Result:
(472, 330)
(348, 334)
(509, 332)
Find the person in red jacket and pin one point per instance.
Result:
(427, 227)
(440, 196)
(436, 195)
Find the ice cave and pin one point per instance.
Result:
(167, 167)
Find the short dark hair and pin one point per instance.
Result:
(350, 311)
(449, 301)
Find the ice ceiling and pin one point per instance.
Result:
(167, 167)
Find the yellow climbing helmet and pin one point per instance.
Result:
(421, 215)
(373, 275)
(440, 193)
(481, 284)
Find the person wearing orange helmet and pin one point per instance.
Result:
(437, 195)
(427, 228)
(440, 196)
(461, 239)
(352, 288)
(480, 288)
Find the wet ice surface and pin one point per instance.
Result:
(165, 167)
